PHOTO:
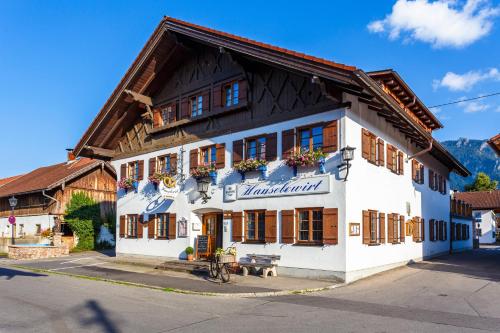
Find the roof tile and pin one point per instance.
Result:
(481, 199)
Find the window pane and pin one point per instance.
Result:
(304, 140)
(236, 93)
(167, 164)
(304, 225)
(204, 156)
(193, 107)
(317, 137)
(251, 226)
(262, 226)
(373, 227)
(200, 104)
(228, 94)
(262, 148)
(317, 225)
(213, 155)
(252, 149)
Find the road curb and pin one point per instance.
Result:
(183, 291)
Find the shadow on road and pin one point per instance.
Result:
(97, 316)
(479, 264)
(11, 273)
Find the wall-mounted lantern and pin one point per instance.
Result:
(347, 154)
(203, 185)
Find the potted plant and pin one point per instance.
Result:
(156, 179)
(205, 171)
(308, 158)
(126, 184)
(251, 165)
(189, 252)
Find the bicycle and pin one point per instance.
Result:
(219, 268)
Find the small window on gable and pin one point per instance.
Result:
(372, 148)
(231, 94)
(196, 105)
(168, 114)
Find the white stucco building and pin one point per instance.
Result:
(388, 206)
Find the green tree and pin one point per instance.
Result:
(83, 215)
(482, 182)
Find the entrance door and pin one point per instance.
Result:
(212, 227)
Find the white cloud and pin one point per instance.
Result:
(473, 107)
(464, 82)
(442, 23)
(498, 109)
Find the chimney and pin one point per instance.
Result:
(71, 155)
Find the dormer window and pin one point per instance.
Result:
(231, 94)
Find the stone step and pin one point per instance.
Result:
(193, 267)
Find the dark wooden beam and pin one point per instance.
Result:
(98, 151)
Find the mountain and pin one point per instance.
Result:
(477, 156)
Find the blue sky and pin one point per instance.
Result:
(60, 60)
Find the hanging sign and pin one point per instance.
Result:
(12, 219)
(169, 187)
(301, 186)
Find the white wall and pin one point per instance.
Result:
(29, 224)
(466, 244)
(377, 188)
(147, 201)
(487, 225)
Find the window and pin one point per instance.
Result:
(393, 229)
(392, 158)
(162, 225)
(255, 226)
(133, 170)
(310, 138)
(477, 217)
(196, 105)
(163, 164)
(310, 225)
(372, 148)
(168, 115)
(132, 225)
(231, 94)
(256, 148)
(208, 155)
(374, 227)
(418, 229)
(417, 172)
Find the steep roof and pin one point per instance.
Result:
(481, 199)
(7, 180)
(46, 178)
(494, 142)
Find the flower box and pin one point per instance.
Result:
(251, 165)
(307, 159)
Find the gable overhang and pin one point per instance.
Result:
(339, 74)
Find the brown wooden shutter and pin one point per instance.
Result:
(380, 152)
(401, 165)
(220, 156)
(242, 97)
(157, 122)
(151, 226)
(173, 163)
(140, 176)
(414, 167)
(444, 185)
(205, 104)
(123, 171)
(330, 137)
(422, 168)
(271, 146)
(237, 151)
(237, 218)
(122, 225)
(287, 227)
(152, 166)
(185, 114)
(440, 184)
(217, 101)
(270, 225)
(172, 226)
(330, 226)
(366, 227)
(414, 225)
(365, 144)
(402, 230)
(390, 228)
(431, 179)
(390, 164)
(140, 226)
(287, 143)
(422, 225)
(382, 227)
(193, 159)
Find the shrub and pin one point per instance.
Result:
(189, 250)
(84, 229)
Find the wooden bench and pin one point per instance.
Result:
(257, 262)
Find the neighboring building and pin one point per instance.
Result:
(486, 213)
(43, 193)
(494, 142)
(462, 226)
(199, 97)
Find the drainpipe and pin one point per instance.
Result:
(54, 199)
(421, 152)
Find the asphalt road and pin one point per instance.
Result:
(460, 293)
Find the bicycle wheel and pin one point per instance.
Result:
(224, 273)
(212, 270)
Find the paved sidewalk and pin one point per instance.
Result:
(141, 271)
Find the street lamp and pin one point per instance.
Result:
(13, 204)
(203, 184)
(347, 154)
